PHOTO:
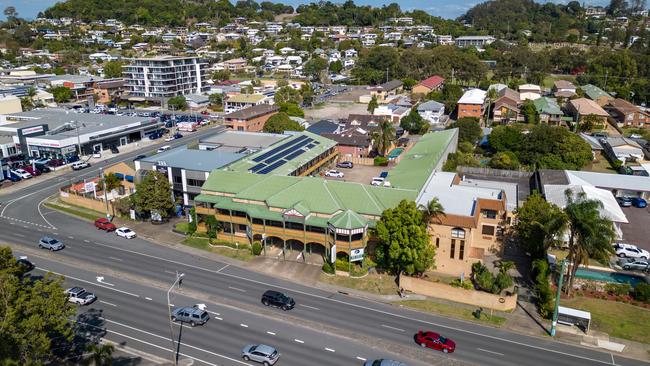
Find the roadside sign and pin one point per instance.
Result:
(356, 255)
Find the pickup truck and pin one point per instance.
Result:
(79, 295)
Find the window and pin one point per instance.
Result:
(178, 179)
(489, 214)
(458, 233)
(461, 253)
(258, 221)
(195, 182)
(487, 230)
(453, 248)
(437, 242)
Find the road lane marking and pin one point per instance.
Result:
(271, 333)
(70, 237)
(222, 268)
(361, 358)
(307, 306)
(100, 279)
(213, 312)
(329, 349)
(41, 213)
(216, 317)
(236, 289)
(393, 328)
(299, 341)
(148, 298)
(244, 325)
(87, 241)
(107, 303)
(116, 259)
(613, 362)
(19, 235)
(170, 272)
(90, 282)
(488, 351)
(25, 227)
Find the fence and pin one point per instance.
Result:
(84, 200)
(493, 172)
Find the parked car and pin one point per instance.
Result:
(631, 251)
(261, 353)
(155, 135)
(22, 173)
(383, 174)
(56, 162)
(639, 202)
(47, 242)
(635, 265)
(114, 149)
(43, 168)
(25, 265)
(435, 341)
(13, 177)
(163, 149)
(102, 223)
(379, 181)
(71, 158)
(278, 299)
(125, 232)
(384, 362)
(624, 201)
(193, 315)
(80, 165)
(139, 157)
(345, 164)
(32, 170)
(334, 173)
(79, 295)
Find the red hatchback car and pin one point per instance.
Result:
(435, 341)
(31, 170)
(102, 223)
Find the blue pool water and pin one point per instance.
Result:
(395, 153)
(614, 277)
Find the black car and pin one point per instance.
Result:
(278, 299)
(114, 149)
(25, 265)
(139, 157)
(43, 168)
(345, 164)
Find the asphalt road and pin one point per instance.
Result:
(141, 263)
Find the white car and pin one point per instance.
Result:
(163, 148)
(79, 295)
(80, 165)
(170, 138)
(22, 173)
(125, 232)
(334, 173)
(379, 181)
(631, 251)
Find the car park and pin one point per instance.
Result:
(345, 165)
(52, 244)
(624, 201)
(629, 264)
(79, 296)
(639, 202)
(334, 174)
(278, 299)
(435, 341)
(80, 165)
(383, 362)
(630, 251)
(125, 232)
(194, 315)
(261, 353)
(103, 223)
(22, 173)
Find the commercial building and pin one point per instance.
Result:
(250, 119)
(165, 77)
(243, 101)
(472, 103)
(54, 133)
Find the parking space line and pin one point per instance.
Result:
(244, 325)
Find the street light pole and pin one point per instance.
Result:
(169, 308)
(557, 297)
(103, 178)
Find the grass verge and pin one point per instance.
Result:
(372, 283)
(602, 166)
(84, 213)
(204, 244)
(182, 227)
(455, 311)
(617, 319)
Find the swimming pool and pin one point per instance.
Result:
(613, 277)
(395, 153)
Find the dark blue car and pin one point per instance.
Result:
(639, 202)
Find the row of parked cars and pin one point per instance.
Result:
(624, 201)
(632, 258)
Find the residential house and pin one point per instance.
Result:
(627, 114)
(197, 101)
(445, 40)
(596, 94)
(622, 149)
(564, 89)
(473, 41)
(251, 119)
(472, 104)
(351, 144)
(432, 112)
(386, 90)
(529, 92)
(324, 126)
(394, 112)
(351, 53)
(235, 65)
(428, 85)
(506, 107)
(549, 111)
(582, 107)
(242, 101)
(108, 90)
(594, 144)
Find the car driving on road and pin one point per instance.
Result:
(193, 315)
(261, 353)
(125, 232)
(278, 299)
(435, 341)
(80, 165)
(52, 244)
(384, 362)
(79, 295)
(103, 223)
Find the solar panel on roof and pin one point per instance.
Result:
(311, 145)
(257, 167)
(271, 167)
(288, 151)
(294, 154)
(279, 148)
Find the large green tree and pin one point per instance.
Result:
(469, 129)
(315, 67)
(506, 138)
(554, 147)
(372, 105)
(539, 223)
(280, 122)
(61, 94)
(177, 103)
(154, 194)
(113, 69)
(34, 315)
(404, 244)
(414, 123)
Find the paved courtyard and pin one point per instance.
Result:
(636, 232)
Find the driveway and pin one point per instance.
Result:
(636, 232)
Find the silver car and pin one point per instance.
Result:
(50, 243)
(636, 265)
(264, 354)
(384, 362)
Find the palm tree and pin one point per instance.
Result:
(590, 234)
(491, 96)
(100, 354)
(432, 209)
(372, 105)
(383, 137)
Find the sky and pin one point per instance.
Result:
(444, 8)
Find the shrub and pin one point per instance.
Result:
(618, 289)
(381, 161)
(342, 264)
(485, 280)
(327, 268)
(191, 226)
(467, 285)
(542, 288)
(502, 281)
(257, 248)
(642, 292)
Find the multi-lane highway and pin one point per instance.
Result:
(323, 321)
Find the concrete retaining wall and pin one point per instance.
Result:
(470, 297)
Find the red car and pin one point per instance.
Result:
(435, 341)
(31, 170)
(102, 223)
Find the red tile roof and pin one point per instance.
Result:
(432, 82)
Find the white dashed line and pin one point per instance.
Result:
(299, 341)
(271, 333)
(329, 349)
(17, 234)
(86, 241)
(309, 307)
(236, 289)
(212, 312)
(70, 237)
(496, 353)
(360, 358)
(115, 259)
(11, 223)
(393, 328)
(216, 317)
(107, 303)
(148, 298)
(244, 325)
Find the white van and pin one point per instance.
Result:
(163, 148)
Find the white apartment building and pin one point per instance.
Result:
(165, 77)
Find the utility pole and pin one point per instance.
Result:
(557, 297)
(103, 178)
(169, 308)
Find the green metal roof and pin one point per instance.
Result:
(417, 164)
(348, 220)
(594, 92)
(209, 198)
(243, 165)
(547, 106)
